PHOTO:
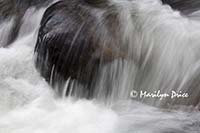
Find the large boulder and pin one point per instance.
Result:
(75, 39)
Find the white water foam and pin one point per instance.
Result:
(28, 104)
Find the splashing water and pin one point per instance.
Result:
(28, 104)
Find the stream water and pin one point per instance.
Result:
(29, 104)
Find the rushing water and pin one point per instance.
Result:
(29, 104)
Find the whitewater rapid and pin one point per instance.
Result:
(29, 105)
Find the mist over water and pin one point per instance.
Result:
(170, 43)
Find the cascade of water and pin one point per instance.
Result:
(5, 29)
(164, 48)
(162, 54)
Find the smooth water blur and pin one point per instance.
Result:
(163, 54)
(5, 29)
(28, 103)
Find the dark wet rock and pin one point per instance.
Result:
(185, 6)
(75, 39)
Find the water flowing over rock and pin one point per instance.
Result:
(185, 6)
(99, 66)
(94, 51)
(15, 10)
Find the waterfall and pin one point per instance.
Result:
(4, 32)
(165, 49)
(132, 93)
(154, 49)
